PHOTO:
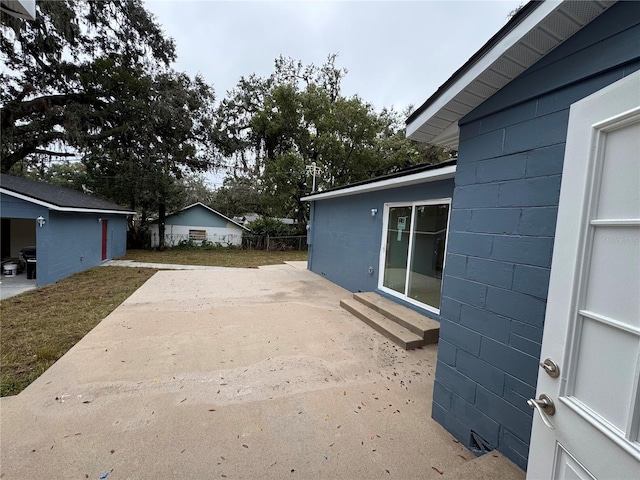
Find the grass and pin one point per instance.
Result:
(221, 258)
(39, 326)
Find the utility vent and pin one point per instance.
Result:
(479, 445)
(197, 235)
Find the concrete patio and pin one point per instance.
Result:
(12, 285)
(235, 373)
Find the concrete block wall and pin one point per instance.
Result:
(501, 234)
(346, 239)
(70, 243)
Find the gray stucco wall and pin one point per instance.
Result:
(196, 215)
(345, 238)
(502, 232)
(68, 242)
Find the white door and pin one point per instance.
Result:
(592, 325)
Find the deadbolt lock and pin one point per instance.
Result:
(551, 367)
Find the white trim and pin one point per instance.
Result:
(512, 38)
(383, 246)
(438, 122)
(422, 177)
(57, 208)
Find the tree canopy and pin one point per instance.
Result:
(271, 129)
(94, 80)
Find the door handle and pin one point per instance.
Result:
(545, 406)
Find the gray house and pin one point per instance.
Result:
(539, 311)
(70, 230)
(197, 223)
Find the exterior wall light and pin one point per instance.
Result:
(374, 211)
(99, 219)
(41, 221)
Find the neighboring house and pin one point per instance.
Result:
(543, 257)
(197, 223)
(70, 230)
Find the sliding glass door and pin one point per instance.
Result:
(414, 247)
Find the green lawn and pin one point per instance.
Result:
(220, 258)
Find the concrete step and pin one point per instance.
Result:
(425, 327)
(390, 329)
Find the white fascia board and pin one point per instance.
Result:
(422, 177)
(19, 8)
(512, 38)
(57, 208)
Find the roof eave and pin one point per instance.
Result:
(515, 48)
(59, 208)
(412, 179)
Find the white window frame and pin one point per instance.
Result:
(383, 247)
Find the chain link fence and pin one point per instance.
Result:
(274, 244)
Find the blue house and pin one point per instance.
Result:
(70, 230)
(539, 311)
(198, 223)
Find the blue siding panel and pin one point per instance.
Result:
(197, 216)
(517, 306)
(494, 220)
(470, 243)
(474, 196)
(450, 308)
(472, 293)
(466, 175)
(545, 161)
(459, 384)
(490, 272)
(531, 280)
(520, 393)
(460, 219)
(456, 265)
(527, 331)
(509, 167)
(536, 251)
(461, 337)
(504, 413)
(518, 364)
(540, 221)
(478, 421)
(442, 396)
(446, 353)
(534, 192)
(486, 375)
(549, 130)
(486, 323)
(514, 449)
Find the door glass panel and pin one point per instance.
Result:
(427, 257)
(605, 371)
(614, 276)
(395, 267)
(619, 192)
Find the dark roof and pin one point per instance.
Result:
(519, 16)
(403, 172)
(61, 197)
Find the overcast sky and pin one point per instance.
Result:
(397, 52)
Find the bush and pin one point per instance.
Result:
(269, 226)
